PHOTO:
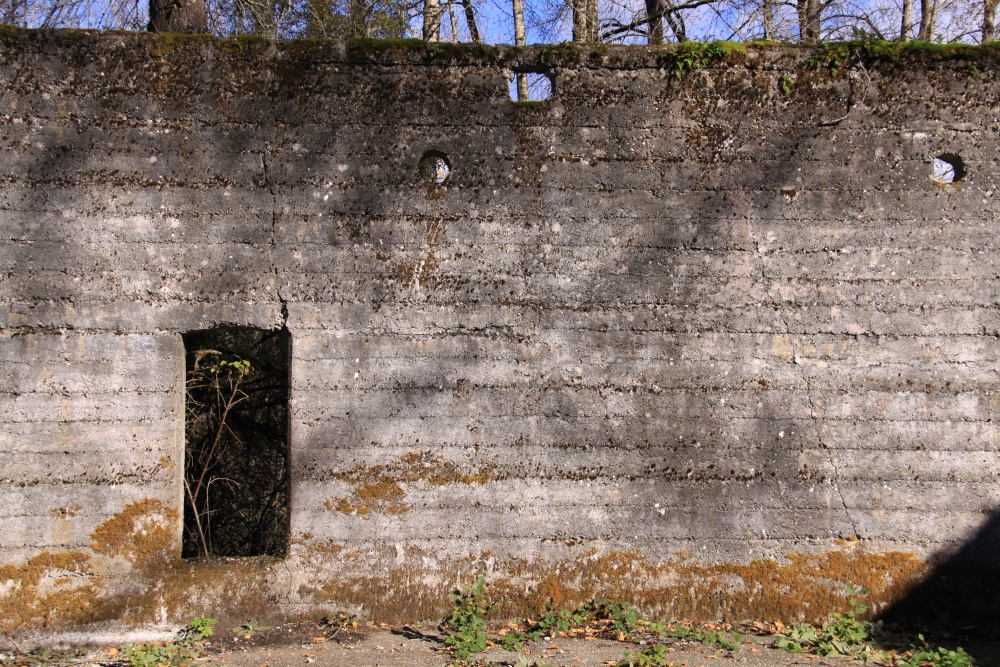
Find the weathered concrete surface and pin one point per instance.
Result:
(669, 338)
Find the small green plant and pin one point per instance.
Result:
(512, 640)
(726, 639)
(799, 638)
(847, 635)
(654, 655)
(524, 661)
(785, 84)
(250, 628)
(46, 658)
(850, 635)
(188, 646)
(688, 56)
(466, 623)
(926, 656)
(552, 623)
(624, 617)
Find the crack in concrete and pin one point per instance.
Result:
(835, 480)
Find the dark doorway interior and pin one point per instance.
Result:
(236, 442)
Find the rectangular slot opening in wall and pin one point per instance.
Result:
(236, 442)
(530, 86)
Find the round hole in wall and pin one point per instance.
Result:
(434, 168)
(948, 169)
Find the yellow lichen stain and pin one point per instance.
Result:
(378, 488)
(144, 532)
(166, 463)
(52, 588)
(802, 587)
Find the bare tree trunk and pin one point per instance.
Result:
(452, 20)
(432, 20)
(809, 20)
(580, 32)
(769, 19)
(654, 18)
(928, 17)
(906, 27)
(592, 24)
(520, 40)
(177, 16)
(470, 19)
(989, 20)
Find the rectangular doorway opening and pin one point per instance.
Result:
(236, 442)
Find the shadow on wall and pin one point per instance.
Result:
(962, 590)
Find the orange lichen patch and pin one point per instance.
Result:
(382, 495)
(417, 466)
(51, 589)
(166, 463)
(804, 586)
(143, 532)
(65, 511)
(377, 488)
(328, 548)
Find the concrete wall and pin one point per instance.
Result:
(673, 338)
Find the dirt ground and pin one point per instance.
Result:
(309, 644)
(393, 649)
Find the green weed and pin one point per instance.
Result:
(512, 640)
(47, 657)
(250, 628)
(850, 635)
(723, 638)
(654, 655)
(847, 635)
(923, 655)
(785, 84)
(524, 661)
(188, 646)
(466, 623)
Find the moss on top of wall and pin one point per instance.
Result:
(680, 57)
